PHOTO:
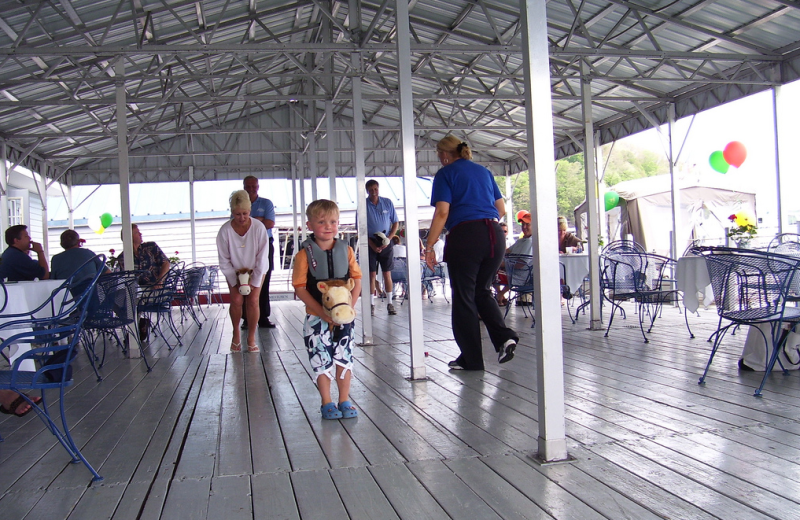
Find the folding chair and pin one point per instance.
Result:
(750, 288)
(53, 360)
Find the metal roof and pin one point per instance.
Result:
(238, 87)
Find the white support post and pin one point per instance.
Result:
(674, 188)
(124, 179)
(3, 187)
(594, 206)
(191, 214)
(331, 149)
(552, 444)
(43, 197)
(780, 121)
(509, 199)
(360, 167)
(418, 369)
(312, 163)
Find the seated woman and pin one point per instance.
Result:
(243, 244)
(565, 238)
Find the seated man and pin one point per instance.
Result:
(523, 246)
(17, 265)
(74, 256)
(148, 257)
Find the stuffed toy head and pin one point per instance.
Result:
(243, 276)
(380, 239)
(337, 300)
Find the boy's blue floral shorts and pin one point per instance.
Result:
(328, 348)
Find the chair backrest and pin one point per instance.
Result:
(399, 270)
(785, 243)
(191, 280)
(4, 296)
(750, 285)
(117, 297)
(519, 270)
(623, 246)
(157, 299)
(210, 280)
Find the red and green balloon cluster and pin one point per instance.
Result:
(734, 154)
(99, 224)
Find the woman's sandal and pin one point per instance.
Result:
(329, 411)
(253, 348)
(17, 403)
(347, 410)
(236, 347)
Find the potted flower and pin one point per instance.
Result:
(742, 229)
(174, 259)
(111, 262)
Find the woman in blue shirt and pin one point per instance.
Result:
(469, 204)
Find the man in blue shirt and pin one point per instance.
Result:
(16, 265)
(264, 211)
(73, 257)
(381, 218)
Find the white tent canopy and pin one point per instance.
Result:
(645, 211)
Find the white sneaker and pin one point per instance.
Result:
(507, 351)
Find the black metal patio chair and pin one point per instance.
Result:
(117, 296)
(750, 288)
(519, 270)
(157, 301)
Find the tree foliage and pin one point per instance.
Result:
(624, 163)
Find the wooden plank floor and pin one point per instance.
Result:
(212, 435)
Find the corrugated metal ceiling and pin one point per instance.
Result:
(229, 77)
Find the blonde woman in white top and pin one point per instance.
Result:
(242, 243)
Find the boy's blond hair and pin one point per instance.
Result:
(321, 207)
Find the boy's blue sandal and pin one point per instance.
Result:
(329, 411)
(348, 410)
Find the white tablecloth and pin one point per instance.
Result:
(24, 297)
(692, 277)
(576, 268)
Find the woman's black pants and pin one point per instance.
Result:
(473, 252)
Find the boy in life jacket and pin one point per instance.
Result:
(323, 257)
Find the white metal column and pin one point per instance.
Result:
(418, 370)
(593, 206)
(191, 214)
(331, 149)
(674, 189)
(361, 189)
(552, 445)
(124, 178)
(3, 188)
(43, 196)
(781, 159)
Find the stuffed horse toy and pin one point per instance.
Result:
(337, 300)
(243, 276)
(380, 239)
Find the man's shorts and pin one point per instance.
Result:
(385, 258)
(328, 348)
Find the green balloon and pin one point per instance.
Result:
(611, 198)
(718, 162)
(106, 219)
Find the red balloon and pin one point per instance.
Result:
(735, 153)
